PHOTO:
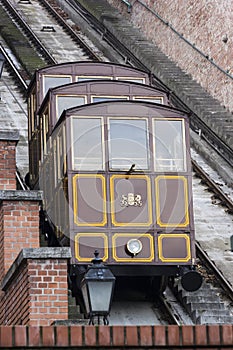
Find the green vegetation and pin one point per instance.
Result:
(19, 45)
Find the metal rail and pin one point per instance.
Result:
(226, 286)
(106, 35)
(201, 254)
(218, 193)
(70, 31)
(28, 32)
(16, 72)
(167, 308)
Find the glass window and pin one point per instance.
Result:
(45, 125)
(31, 113)
(65, 102)
(133, 80)
(86, 77)
(87, 144)
(169, 145)
(53, 81)
(149, 99)
(108, 98)
(128, 144)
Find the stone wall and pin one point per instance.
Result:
(206, 24)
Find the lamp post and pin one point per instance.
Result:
(97, 289)
(2, 60)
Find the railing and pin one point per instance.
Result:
(128, 4)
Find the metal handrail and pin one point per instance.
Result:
(128, 4)
(210, 60)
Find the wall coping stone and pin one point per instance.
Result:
(7, 135)
(18, 195)
(34, 253)
(158, 337)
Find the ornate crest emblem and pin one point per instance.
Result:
(131, 200)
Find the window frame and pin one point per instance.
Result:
(148, 98)
(109, 98)
(103, 161)
(44, 76)
(76, 96)
(147, 139)
(184, 148)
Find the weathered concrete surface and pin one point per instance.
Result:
(8, 135)
(21, 195)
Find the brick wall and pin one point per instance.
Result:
(119, 337)
(48, 291)
(19, 225)
(19, 210)
(35, 290)
(7, 165)
(204, 23)
(14, 304)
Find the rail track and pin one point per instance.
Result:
(25, 45)
(213, 187)
(70, 31)
(165, 310)
(19, 74)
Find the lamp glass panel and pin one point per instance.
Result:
(100, 295)
(85, 297)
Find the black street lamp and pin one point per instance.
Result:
(2, 60)
(97, 289)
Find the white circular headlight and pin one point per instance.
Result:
(134, 246)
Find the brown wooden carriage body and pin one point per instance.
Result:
(49, 77)
(70, 72)
(75, 94)
(120, 171)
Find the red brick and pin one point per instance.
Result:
(159, 335)
(104, 335)
(173, 335)
(6, 336)
(227, 334)
(146, 336)
(201, 335)
(33, 336)
(187, 335)
(131, 335)
(48, 336)
(20, 336)
(214, 335)
(90, 335)
(62, 336)
(76, 336)
(118, 337)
